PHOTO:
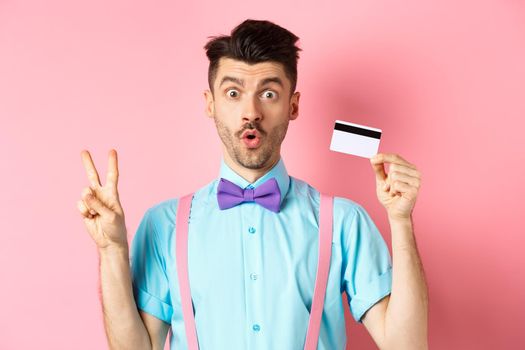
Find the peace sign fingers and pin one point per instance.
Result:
(112, 174)
(90, 169)
(100, 205)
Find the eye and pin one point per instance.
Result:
(232, 93)
(270, 94)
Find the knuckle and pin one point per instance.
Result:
(81, 210)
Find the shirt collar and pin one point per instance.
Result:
(278, 171)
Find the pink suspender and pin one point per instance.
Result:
(183, 214)
(323, 267)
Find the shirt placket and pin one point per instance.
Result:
(252, 245)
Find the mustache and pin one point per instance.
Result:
(251, 126)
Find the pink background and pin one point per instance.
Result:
(444, 80)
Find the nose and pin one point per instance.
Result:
(251, 111)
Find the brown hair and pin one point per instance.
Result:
(255, 41)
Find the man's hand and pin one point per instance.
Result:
(404, 322)
(398, 190)
(100, 206)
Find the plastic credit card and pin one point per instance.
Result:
(351, 138)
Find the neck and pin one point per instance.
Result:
(251, 175)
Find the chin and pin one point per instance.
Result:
(257, 163)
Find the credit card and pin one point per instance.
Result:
(351, 138)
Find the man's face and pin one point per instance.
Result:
(251, 99)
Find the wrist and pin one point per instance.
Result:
(400, 221)
(114, 250)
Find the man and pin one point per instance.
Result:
(252, 266)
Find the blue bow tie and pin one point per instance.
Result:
(267, 194)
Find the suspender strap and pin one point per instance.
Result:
(183, 215)
(323, 267)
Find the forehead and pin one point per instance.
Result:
(251, 73)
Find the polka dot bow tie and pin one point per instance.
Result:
(267, 194)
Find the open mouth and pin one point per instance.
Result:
(251, 139)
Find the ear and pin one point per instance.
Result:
(210, 105)
(294, 105)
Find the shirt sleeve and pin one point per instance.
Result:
(367, 273)
(149, 279)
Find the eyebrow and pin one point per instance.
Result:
(240, 82)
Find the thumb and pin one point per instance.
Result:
(379, 169)
(95, 204)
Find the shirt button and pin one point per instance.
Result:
(253, 276)
(256, 327)
(251, 230)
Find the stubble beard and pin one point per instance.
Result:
(252, 158)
